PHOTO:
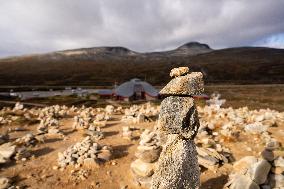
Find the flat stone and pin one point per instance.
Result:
(6, 151)
(4, 183)
(149, 156)
(175, 72)
(142, 169)
(178, 115)
(104, 155)
(178, 165)
(272, 145)
(243, 182)
(259, 171)
(243, 164)
(190, 84)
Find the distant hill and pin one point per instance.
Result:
(106, 65)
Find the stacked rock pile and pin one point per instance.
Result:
(8, 115)
(85, 152)
(55, 111)
(109, 109)
(49, 125)
(254, 173)
(147, 154)
(90, 123)
(18, 106)
(101, 119)
(95, 133)
(211, 153)
(83, 120)
(228, 123)
(19, 149)
(127, 133)
(211, 158)
(140, 114)
(178, 122)
(4, 121)
(215, 100)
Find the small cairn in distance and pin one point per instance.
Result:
(147, 154)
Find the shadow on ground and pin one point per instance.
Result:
(215, 183)
(120, 151)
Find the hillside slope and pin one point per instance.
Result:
(106, 65)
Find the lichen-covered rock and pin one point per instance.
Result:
(190, 84)
(177, 166)
(179, 116)
(175, 72)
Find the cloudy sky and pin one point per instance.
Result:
(35, 26)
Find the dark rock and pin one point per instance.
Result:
(178, 115)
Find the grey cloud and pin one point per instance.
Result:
(31, 26)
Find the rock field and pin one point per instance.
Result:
(119, 147)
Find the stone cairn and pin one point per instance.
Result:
(49, 125)
(87, 121)
(147, 154)
(140, 113)
(87, 152)
(49, 119)
(19, 150)
(178, 124)
(127, 133)
(265, 172)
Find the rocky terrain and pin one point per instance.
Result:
(103, 66)
(117, 147)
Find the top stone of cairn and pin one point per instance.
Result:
(175, 72)
(184, 83)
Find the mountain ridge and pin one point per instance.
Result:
(106, 65)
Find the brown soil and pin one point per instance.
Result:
(38, 172)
